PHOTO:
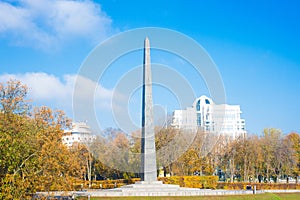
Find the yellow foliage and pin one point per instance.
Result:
(259, 186)
(191, 181)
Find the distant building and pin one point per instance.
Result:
(80, 133)
(222, 119)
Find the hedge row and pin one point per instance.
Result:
(259, 186)
(183, 181)
(105, 184)
(207, 182)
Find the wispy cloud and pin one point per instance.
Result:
(50, 90)
(48, 23)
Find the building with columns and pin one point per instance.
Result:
(205, 115)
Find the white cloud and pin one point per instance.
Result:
(91, 102)
(46, 23)
(50, 90)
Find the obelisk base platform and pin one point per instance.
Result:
(150, 186)
(156, 188)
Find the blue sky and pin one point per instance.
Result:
(255, 45)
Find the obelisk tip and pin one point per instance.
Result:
(147, 40)
(147, 43)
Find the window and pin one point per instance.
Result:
(198, 119)
(198, 105)
(207, 128)
(207, 101)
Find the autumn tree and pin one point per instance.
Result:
(245, 156)
(32, 156)
(99, 148)
(171, 145)
(115, 156)
(13, 98)
(270, 143)
(292, 146)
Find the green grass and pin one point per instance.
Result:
(267, 196)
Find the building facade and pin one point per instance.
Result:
(80, 133)
(205, 115)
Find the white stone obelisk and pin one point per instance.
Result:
(148, 152)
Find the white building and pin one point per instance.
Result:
(80, 133)
(205, 115)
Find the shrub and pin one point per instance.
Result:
(105, 184)
(208, 182)
(191, 181)
(259, 186)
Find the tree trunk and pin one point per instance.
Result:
(231, 166)
(267, 172)
(89, 169)
(171, 169)
(245, 170)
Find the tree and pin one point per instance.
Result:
(292, 144)
(13, 97)
(246, 156)
(115, 157)
(32, 156)
(172, 146)
(99, 147)
(270, 144)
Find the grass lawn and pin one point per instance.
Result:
(267, 196)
